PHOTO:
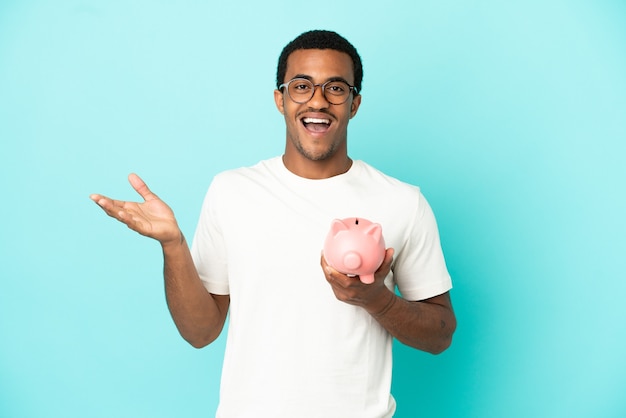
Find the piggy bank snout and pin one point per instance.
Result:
(355, 246)
(352, 260)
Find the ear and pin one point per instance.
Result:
(375, 230)
(354, 107)
(337, 226)
(279, 99)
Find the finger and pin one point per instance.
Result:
(336, 277)
(389, 253)
(133, 222)
(140, 187)
(328, 270)
(323, 262)
(114, 208)
(106, 203)
(385, 266)
(102, 201)
(96, 197)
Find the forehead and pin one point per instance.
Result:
(320, 64)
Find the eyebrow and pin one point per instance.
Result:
(308, 77)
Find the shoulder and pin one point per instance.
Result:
(259, 172)
(260, 169)
(399, 199)
(376, 180)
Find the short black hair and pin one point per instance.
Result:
(320, 39)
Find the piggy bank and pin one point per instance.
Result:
(355, 246)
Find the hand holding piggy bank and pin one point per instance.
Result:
(355, 246)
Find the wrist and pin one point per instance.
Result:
(173, 242)
(383, 305)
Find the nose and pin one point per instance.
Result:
(318, 100)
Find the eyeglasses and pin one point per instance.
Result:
(301, 90)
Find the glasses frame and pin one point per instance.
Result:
(353, 89)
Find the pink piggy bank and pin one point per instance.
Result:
(355, 246)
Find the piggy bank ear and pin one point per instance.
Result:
(337, 226)
(375, 230)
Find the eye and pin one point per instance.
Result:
(300, 86)
(337, 88)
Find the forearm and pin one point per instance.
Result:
(197, 315)
(425, 325)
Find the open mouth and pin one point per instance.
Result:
(316, 124)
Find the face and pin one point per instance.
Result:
(317, 130)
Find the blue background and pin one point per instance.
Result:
(511, 116)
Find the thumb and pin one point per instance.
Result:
(140, 187)
(389, 252)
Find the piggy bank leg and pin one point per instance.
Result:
(367, 278)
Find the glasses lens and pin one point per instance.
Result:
(300, 90)
(336, 92)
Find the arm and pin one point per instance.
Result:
(427, 325)
(198, 314)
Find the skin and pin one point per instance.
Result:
(310, 154)
(427, 325)
(198, 314)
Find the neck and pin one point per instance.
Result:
(317, 170)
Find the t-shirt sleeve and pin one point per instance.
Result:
(420, 269)
(208, 248)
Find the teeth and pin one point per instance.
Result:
(315, 120)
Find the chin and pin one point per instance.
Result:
(316, 154)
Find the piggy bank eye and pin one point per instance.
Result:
(356, 221)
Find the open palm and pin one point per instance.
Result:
(152, 217)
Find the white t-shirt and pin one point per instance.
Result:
(294, 350)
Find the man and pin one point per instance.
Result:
(304, 340)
